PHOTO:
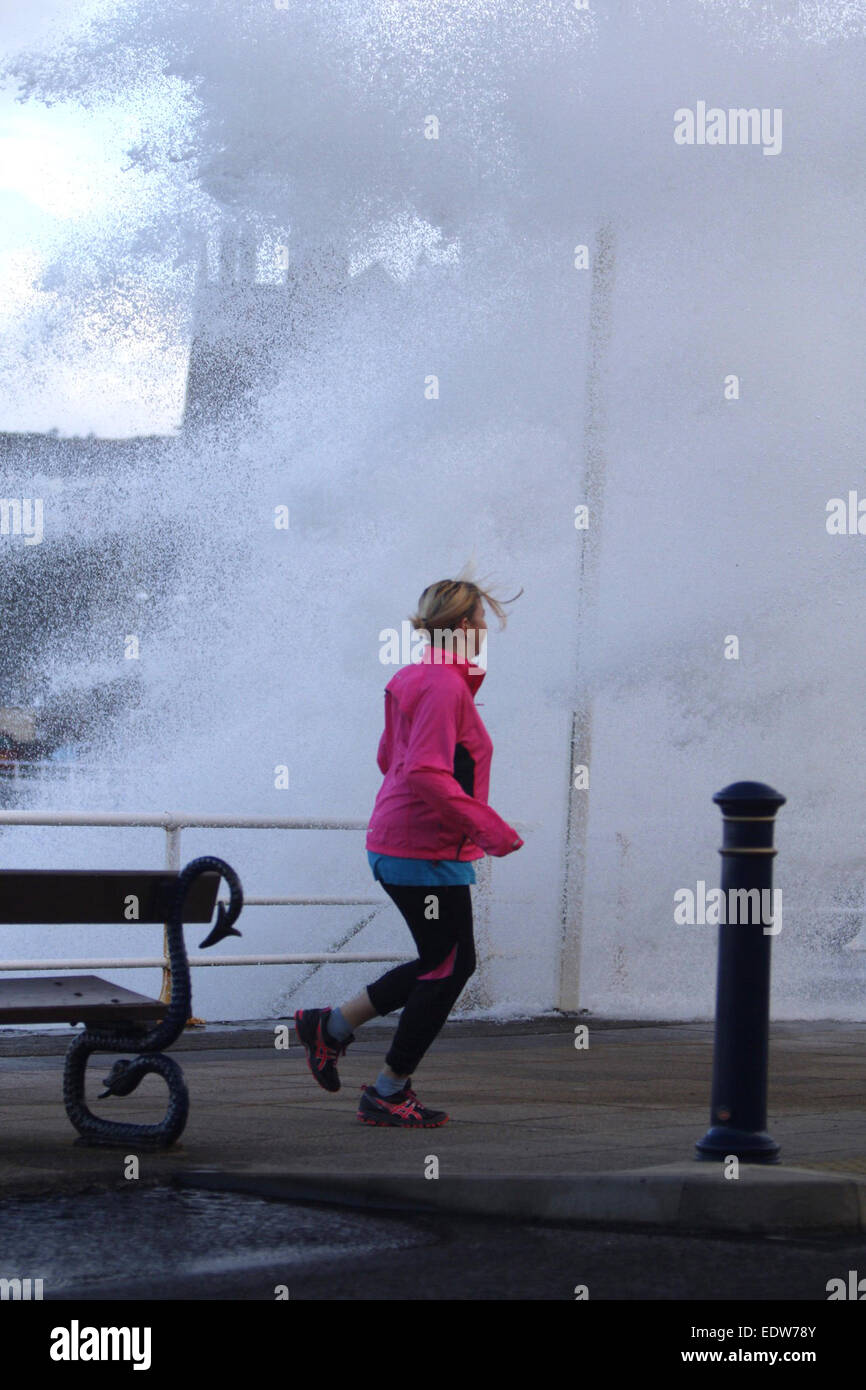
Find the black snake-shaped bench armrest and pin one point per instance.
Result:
(148, 1043)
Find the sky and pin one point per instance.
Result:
(64, 178)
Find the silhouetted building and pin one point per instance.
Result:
(72, 595)
(244, 331)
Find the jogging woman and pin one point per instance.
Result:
(429, 822)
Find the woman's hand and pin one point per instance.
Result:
(506, 846)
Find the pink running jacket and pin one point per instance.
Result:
(435, 754)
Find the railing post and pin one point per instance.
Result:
(738, 1106)
(172, 863)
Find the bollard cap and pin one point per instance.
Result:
(749, 799)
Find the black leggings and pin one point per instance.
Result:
(427, 988)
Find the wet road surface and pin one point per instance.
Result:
(174, 1244)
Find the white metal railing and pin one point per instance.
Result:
(156, 963)
(173, 823)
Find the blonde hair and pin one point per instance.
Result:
(444, 605)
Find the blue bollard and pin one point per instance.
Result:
(738, 1107)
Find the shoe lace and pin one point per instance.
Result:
(409, 1108)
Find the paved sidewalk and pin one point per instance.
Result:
(537, 1126)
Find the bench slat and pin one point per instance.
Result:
(74, 999)
(33, 896)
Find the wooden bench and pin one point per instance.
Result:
(117, 1019)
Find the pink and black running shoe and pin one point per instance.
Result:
(403, 1110)
(323, 1052)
